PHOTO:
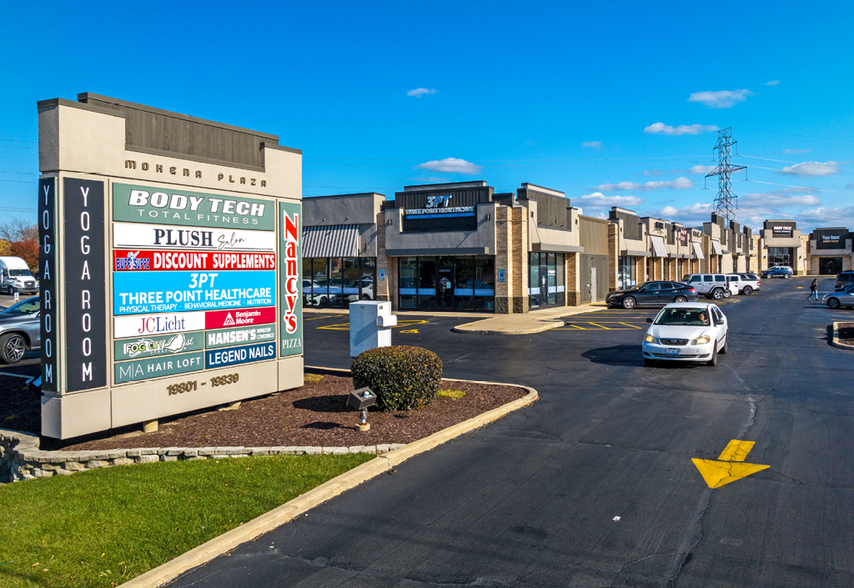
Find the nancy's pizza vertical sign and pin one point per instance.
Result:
(290, 297)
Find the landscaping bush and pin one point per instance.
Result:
(402, 377)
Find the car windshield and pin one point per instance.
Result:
(695, 317)
(19, 272)
(24, 306)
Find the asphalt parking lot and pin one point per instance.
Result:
(614, 478)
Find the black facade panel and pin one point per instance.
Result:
(631, 224)
(85, 285)
(831, 238)
(48, 317)
(441, 209)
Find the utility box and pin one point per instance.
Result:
(370, 325)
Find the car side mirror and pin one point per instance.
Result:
(649, 320)
(719, 322)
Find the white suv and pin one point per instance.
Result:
(711, 285)
(747, 283)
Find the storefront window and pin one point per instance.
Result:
(552, 274)
(408, 287)
(484, 285)
(626, 273)
(464, 283)
(368, 278)
(534, 300)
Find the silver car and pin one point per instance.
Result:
(840, 298)
(19, 330)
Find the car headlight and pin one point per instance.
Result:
(650, 339)
(702, 340)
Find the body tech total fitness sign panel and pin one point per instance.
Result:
(194, 281)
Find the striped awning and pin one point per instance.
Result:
(698, 253)
(330, 241)
(716, 248)
(657, 245)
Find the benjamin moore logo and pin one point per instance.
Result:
(229, 321)
(175, 344)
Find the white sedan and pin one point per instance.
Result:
(686, 332)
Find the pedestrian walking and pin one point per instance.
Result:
(813, 290)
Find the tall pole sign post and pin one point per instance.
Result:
(170, 278)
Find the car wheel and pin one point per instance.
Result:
(648, 362)
(680, 299)
(323, 301)
(629, 302)
(727, 293)
(724, 348)
(747, 291)
(833, 303)
(717, 293)
(714, 360)
(12, 348)
(785, 276)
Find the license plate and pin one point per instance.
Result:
(672, 352)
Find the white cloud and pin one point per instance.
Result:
(592, 144)
(701, 169)
(693, 213)
(419, 92)
(660, 128)
(431, 180)
(599, 200)
(721, 99)
(791, 151)
(776, 200)
(812, 168)
(828, 216)
(772, 83)
(653, 172)
(451, 165)
(677, 184)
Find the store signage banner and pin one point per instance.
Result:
(129, 260)
(142, 347)
(237, 355)
(290, 299)
(144, 369)
(142, 236)
(146, 204)
(240, 318)
(783, 230)
(181, 291)
(85, 282)
(229, 337)
(155, 324)
(48, 298)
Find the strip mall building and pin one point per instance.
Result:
(465, 247)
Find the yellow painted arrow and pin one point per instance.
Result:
(730, 467)
(410, 331)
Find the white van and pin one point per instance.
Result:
(15, 276)
(715, 286)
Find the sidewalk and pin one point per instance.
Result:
(496, 324)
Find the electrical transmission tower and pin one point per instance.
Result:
(725, 201)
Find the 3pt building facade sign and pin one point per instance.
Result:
(163, 291)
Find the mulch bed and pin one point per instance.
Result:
(314, 415)
(846, 333)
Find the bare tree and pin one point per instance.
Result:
(18, 229)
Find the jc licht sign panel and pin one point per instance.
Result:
(169, 276)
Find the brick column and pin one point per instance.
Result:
(382, 288)
(519, 256)
(573, 295)
(613, 256)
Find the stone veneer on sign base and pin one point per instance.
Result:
(21, 459)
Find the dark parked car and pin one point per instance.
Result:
(778, 272)
(844, 279)
(653, 294)
(19, 330)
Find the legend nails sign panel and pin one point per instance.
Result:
(192, 272)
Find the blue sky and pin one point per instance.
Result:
(615, 103)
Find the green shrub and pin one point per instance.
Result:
(402, 377)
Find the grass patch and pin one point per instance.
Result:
(455, 394)
(104, 527)
(312, 378)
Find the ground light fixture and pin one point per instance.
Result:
(360, 400)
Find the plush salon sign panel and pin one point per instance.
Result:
(85, 282)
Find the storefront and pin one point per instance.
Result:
(783, 245)
(446, 283)
(830, 251)
(337, 281)
(546, 281)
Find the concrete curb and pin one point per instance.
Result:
(835, 342)
(546, 324)
(326, 491)
(470, 328)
